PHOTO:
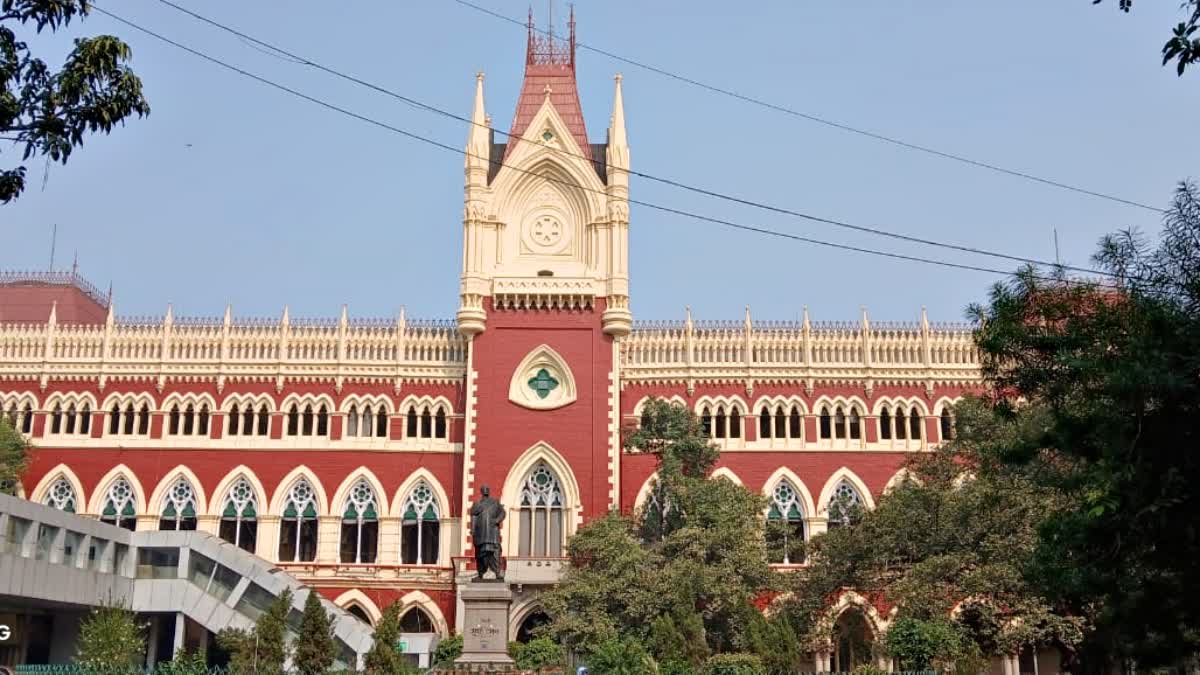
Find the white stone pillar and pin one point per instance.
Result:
(328, 537)
(389, 541)
(180, 630)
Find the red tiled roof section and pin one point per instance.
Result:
(564, 96)
(27, 298)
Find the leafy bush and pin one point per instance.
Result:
(536, 654)
(733, 664)
(184, 663)
(447, 650)
(621, 657)
(110, 639)
(917, 644)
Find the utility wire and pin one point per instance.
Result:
(458, 151)
(822, 120)
(296, 58)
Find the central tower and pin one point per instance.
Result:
(546, 217)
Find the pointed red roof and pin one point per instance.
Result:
(549, 63)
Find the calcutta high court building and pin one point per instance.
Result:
(347, 451)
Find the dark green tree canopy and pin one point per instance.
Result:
(48, 112)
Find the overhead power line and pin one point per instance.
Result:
(282, 53)
(457, 151)
(824, 120)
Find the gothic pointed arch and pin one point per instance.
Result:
(163, 489)
(285, 485)
(355, 597)
(728, 474)
(419, 475)
(542, 381)
(644, 492)
(221, 492)
(540, 463)
(784, 473)
(348, 483)
(62, 472)
(844, 474)
(119, 472)
(421, 600)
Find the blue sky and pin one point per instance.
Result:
(231, 192)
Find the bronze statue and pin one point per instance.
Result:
(486, 516)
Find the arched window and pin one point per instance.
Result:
(27, 419)
(359, 613)
(845, 505)
(410, 426)
(70, 419)
(61, 496)
(360, 525)
(541, 517)
(795, 430)
(179, 507)
(826, 424)
(306, 421)
(189, 420)
(118, 506)
(143, 420)
(293, 423)
(114, 420)
(426, 423)
(764, 422)
(529, 626)
(56, 419)
(298, 526)
(885, 425)
(706, 421)
(173, 421)
(264, 420)
(947, 425)
(914, 424)
(352, 421)
(839, 423)
(785, 524)
(735, 423)
(239, 517)
(235, 419)
(381, 422)
(855, 425)
(415, 620)
(439, 423)
(322, 421)
(901, 427)
(720, 430)
(420, 527)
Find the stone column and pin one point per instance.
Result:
(180, 629)
(389, 541)
(267, 542)
(329, 530)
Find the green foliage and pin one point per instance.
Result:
(110, 640)
(184, 663)
(774, 641)
(385, 656)
(538, 653)
(733, 664)
(918, 644)
(699, 560)
(49, 112)
(14, 453)
(1114, 376)
(315, 648)
(263, 649)
(1184, 45)
(620, 656)
(447, 650)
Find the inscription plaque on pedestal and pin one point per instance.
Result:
(485, 625)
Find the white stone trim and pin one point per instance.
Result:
(542, 356)
(420, 599)
(96, 503)
(806, 499)
(164, 486)
(844, 473)
(337, 506)
(285, 486)
(51, 477)
(510, 497)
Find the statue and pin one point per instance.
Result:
(486, 516)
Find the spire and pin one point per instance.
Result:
(228, 319)
(550, 61)
(53, 313)
(170, 316)
(110, 318)
(618, 144)
(344, 319)
(479, 139)
(747, 322)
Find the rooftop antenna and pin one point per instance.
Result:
(75, 266)
(53, 242)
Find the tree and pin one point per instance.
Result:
(697, 555)
(1184, 45)
(49, 112)
(262, 649)
(447, 651)
(315, 648)
(962, 527)
(1115, 371)
(184, 663)
(110, 640)
(385, 656)
(14, 455)
(621, 657)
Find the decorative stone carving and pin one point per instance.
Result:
(543, 381)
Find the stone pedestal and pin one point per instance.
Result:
(485, 625)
